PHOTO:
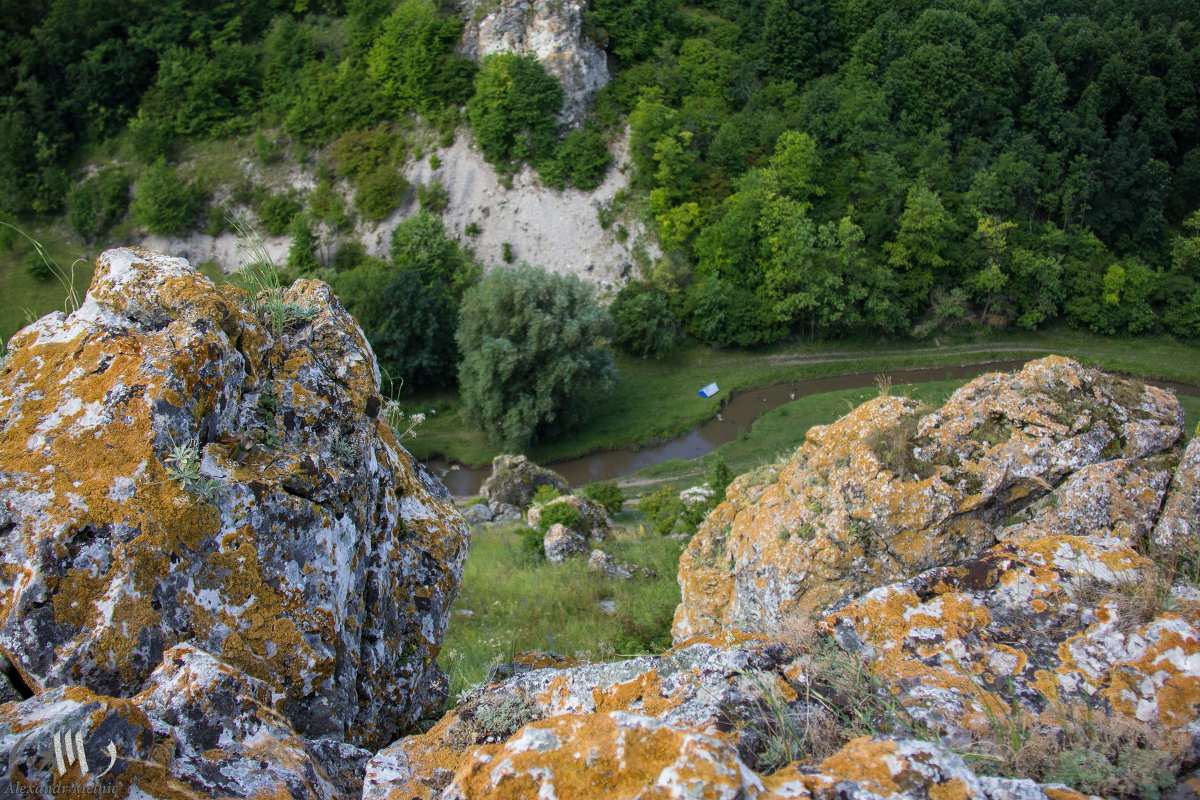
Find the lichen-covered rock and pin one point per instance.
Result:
(560, 543)
(1178, 527)
(504, 512)
(476, 514)
(177, 468)
(594, 522)
(887, 492)
(201, 729)
(550, 31)
(659, 727)
(601, 561)
(514, 479)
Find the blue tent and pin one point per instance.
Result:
(708, 391)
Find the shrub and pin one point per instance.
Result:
(420, 244)
(35, 266)
(533, 355)
(433, 197)
(506, 252)
(544, 494)
(276, 212)
(663, 509)
(533, 543)
(163, 203)
(302, 252)
(581, 160)
(607, 494)
(558, 514)
(380, 193)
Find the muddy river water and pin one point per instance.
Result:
(738, 413)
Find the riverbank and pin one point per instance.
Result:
(656, 400)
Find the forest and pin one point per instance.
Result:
(812, 168)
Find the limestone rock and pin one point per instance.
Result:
(514, 480)
(172, 473)
(661, 726)
(594, 522)
(560, 543)
(200, 729)
(614, 571)
(887, 492)
(1179, 525)
(550, 31)
(476, 514)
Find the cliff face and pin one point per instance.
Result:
(550, 30)
(178, 470)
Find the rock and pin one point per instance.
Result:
(550, 31)
(1178, 527)
(602, 562)
(172, 474)
(607, 606)
(594, 522)
(678, 724)
(887, 492)
(200, 729)
(476, 514)
(514, 480)
(560, 543)
(504, 512)
(696, 494)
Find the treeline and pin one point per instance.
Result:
(76, 75)
(827, 167)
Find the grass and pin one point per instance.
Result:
(656, 399)
(28, 298)
(519, 603)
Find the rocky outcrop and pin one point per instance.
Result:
(561, 542)
(593, 522)
(889, 491)
(181, 469)
(550, 30)
(514, 479)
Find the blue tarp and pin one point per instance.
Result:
(708, 391)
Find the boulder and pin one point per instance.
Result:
(476, 514)
(1178, 527)
(505, 512)
(594, 523)
(560, 543)
(200, 729)
(606, 564)
(891, 490)
(514, 480)
(179, 467)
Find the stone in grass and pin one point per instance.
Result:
(514, 479)
(477, 514)
(560, 543)
(603, 562)
(505, 512)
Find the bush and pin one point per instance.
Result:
(98, 203)
(544, 494)
(645, 325)
(302, 253)
(276, 212)
(533, 358)
(663, 509)
(533, 542)
(581, 160)
(163, 203)
(380, 193)
(36, 267)
(420, 244)
(607, 494)
(433, 197)
(558, 514)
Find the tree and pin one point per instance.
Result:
(413, 60)
(302, 252)
(420, 245)
(514, 108)
(533, 362)
(645, 325)
(410, 325)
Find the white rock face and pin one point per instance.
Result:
(551, 30)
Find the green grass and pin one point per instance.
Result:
(28, 298)
(521, 604)
(656, 399)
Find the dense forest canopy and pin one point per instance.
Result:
(813, 167)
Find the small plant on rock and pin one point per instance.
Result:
(183, 467)
(492, 719)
